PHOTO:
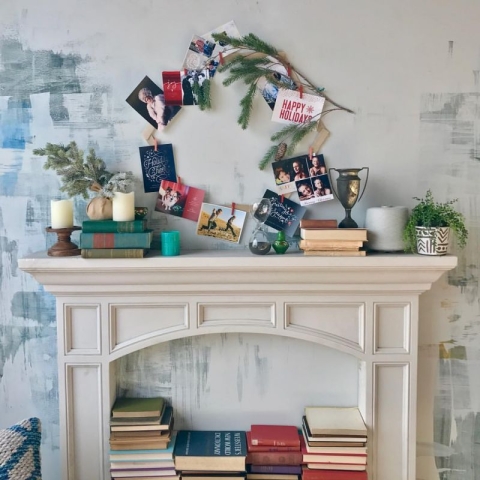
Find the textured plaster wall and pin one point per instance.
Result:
(410, 71)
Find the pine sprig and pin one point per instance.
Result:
(76, 174)
(249, 42)
(299, 134)
(268, 157)
(247, 104)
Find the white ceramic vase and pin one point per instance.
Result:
(432, 241)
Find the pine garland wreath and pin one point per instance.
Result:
(80, 175)
(253, 60)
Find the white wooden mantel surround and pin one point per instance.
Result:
(364, 306)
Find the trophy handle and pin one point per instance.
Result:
(331, 183)
(366, 181)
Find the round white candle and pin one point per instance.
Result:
(62, 213)
(123, 206)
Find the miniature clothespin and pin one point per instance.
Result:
(300, 89)
(233, 208)
(281, 198)
(155, 147)
(310, 153)
(289, 70)
(179, 180)
(220, 56)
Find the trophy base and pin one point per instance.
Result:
(348, 222)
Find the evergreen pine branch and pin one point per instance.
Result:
(249, 42)
(246, 103)
(268, 157)
(302, 131)
(285, 132)
(206, 97)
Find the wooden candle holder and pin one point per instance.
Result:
(64, 246)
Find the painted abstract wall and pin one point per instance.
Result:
(409, 70)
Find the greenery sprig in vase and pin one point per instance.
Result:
(431, 214)
(80, 175)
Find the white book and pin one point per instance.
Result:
(335, 421)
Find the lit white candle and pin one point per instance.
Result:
(61, 213)
(123, 206)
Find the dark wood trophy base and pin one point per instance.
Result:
(64, 246)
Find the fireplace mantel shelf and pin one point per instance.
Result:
(364, 306)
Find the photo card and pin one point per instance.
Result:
(285, 214)
(198, 54)
(268, 88)
(314, 190)
(217, 221)
(179, 200)
(229, 29)
(290, 107)
(157, 166)
(148, 100)
(184, 87)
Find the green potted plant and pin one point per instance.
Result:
(428, 227)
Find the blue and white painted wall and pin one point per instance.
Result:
(409, 70)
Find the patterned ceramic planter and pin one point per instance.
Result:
(432, 241)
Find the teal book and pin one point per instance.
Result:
(210, 450)
(111, 226)
(116, 240)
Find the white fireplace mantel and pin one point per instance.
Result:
(364, 306)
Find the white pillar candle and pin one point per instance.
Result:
(61, 213)
(123, 206)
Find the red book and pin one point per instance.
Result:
(308, 474)
(275, 458)
(275, 435)
(267, 448)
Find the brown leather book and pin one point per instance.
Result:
(331, 223)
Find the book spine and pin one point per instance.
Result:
(305, 223)
(275, 458)
(263, 442)
(116, 240)
(279, 469)
(271, 448)
(111, 226)
(113, 252)
(320, 245)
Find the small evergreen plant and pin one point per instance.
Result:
(80, 175)
(431, 214)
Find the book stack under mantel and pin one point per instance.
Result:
(142, 439)
(334, 444)
(210, 455)
(273, 453)
(320, 240)
(111, 239)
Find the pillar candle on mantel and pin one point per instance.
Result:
(61, 212)
(123, 206)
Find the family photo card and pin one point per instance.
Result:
(285, 214)
(314, 190)
(179, 200)
(219, 222)
(148, 100)
(198, 54)
(157, 166)
(291, 107)
(270, 88)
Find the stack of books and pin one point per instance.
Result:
(141, 439)
(331, 242)
(111, 239)
(273, 453)
(334, 444)
(207, 455)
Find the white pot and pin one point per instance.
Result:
(432, 241)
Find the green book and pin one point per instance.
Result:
(116, 240)
(138, 407)
(111, 226)
(211, 450)
(114, 252)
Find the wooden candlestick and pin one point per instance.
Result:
(64, 246)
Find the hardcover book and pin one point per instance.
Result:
(269, 476)
(138, 407)
(116, 240)
(111, 226)
(274, 435)
(148, 455)
(268, 448)
(336, 466)
(336, 253)
(335, 421)
(329, 440)
(114, 252)
(334, 234)
(313, 223)
(210, 450)
(275, 458)
(329, 245)
(164, 425)
(308, 474)
(342, 448)
(276, 469)
(330, 458)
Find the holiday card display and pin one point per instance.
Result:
(314, 190)
(157, 164)
(179, 200)
(148, 100)
(229, 29)
(279, 77)
(294, 107)
(198, 54)
(221, 222)
(285, 215)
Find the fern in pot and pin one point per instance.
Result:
(429, 226)
(80, 175)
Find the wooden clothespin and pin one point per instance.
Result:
(289, 70)
(233, 208)
(155, 147)
(179, 180)
(310, 153)
(220, 56)
(281, 198)
(300, 90)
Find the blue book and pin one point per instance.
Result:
(210, 450)
(116, 240)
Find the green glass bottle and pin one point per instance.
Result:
(280, 245)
